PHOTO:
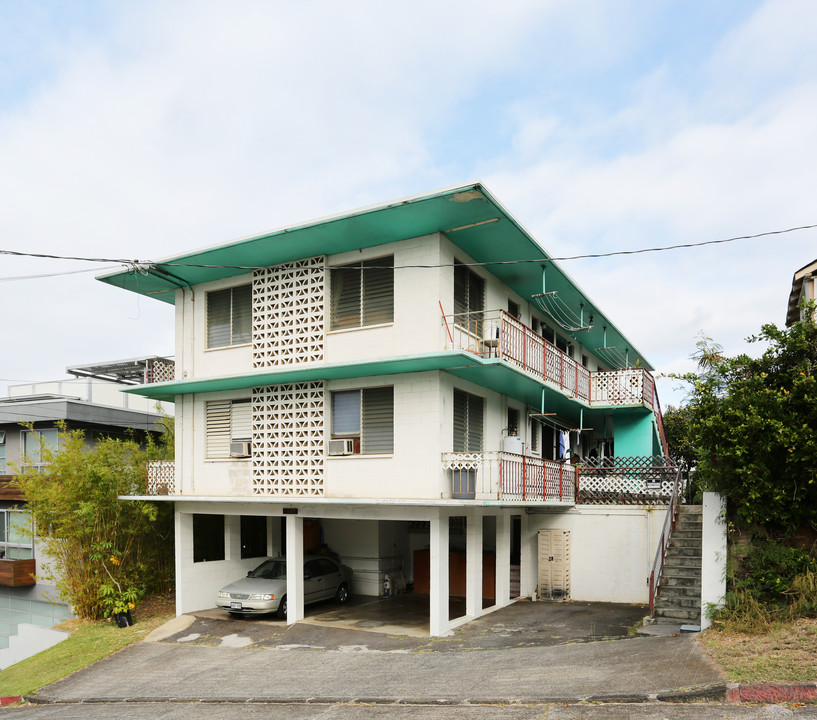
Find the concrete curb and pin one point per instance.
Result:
(766, 693)
(9, 699)
(721, 692)
(715, 693)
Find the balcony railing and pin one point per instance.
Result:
(499, 334)
(161, 478)
(500, 475)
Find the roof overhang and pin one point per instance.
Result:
(491, 373)
(468, 215)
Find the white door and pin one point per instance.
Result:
(554, 564)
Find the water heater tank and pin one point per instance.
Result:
(513, 444)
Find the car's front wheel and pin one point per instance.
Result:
(282, 608)
(342, 594)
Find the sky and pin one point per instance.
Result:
(146, 129)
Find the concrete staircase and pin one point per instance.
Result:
(679, 600)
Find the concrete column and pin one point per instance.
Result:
(232, 528)
(473, 566)
(295, 569)
(527, 559)
(438, 599)
(183, 530)
(713, 554)
(503, 559)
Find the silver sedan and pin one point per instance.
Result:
(264, 589)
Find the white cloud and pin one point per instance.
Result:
(189, 123)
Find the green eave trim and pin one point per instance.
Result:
(468, 215)
(490, 373)
(449, 361)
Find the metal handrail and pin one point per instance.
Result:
(654, 580)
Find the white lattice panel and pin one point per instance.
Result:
(616, 484)
(288, 439)
(288, 313)
(162, 371)
(618, 387)
(161, 478)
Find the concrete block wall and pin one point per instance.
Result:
(611, 549)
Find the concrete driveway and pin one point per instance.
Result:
(528, 652)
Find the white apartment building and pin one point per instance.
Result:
(419, 387)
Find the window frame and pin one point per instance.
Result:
(220, 427)
(205, 533)
(44, 434)
(372, 281)
(371, 431)
(469, 439)
(236, 316)
(5, 544)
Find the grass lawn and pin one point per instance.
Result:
(787, 653)
(89, 641)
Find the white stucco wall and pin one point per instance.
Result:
(713, 554)
(611, 549)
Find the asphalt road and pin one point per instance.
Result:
(242, 711)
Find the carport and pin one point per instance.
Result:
(453, 546)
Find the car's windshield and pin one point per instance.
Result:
(270, 570)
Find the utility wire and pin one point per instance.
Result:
(143, 265)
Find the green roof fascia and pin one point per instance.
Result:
(468, 215)
(491, 373)
(342, 371)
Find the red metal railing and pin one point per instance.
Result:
(527, 478)
(501, 475)
(500, 334)
(654, 580)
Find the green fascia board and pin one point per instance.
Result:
(468, 215)
(491, 373)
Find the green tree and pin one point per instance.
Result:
(94, 540)
(753, 427)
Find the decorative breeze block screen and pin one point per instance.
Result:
(288, 313)
(288, 439)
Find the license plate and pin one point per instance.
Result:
(235, 606)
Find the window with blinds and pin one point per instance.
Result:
(362, 294)
(469, 290)
(367, 415)
(468, 422)
(226, 421)
(229, 316)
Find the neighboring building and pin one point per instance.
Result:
(803, 287)
(403, 383)
(94, 404)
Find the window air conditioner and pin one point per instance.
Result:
(240, 448)
(340, 447)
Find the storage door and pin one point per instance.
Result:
(554, 564)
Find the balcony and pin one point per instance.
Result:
(498, 334)
(500, 475)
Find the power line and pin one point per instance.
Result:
(143, 266)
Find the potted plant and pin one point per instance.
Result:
(117, 601)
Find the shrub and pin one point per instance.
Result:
(768, 568)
